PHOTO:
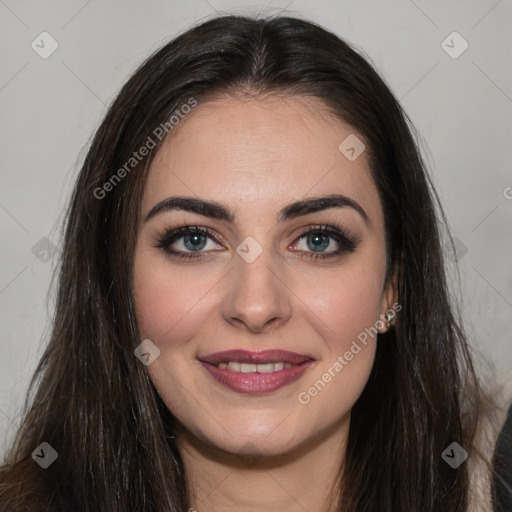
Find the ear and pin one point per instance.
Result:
(389, 302)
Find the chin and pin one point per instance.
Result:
(259, 446)
(250, 440)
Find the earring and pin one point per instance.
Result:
(389, 317)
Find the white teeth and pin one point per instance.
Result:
(247, 368)
(265, 368)
(252, 368)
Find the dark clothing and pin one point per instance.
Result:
(503, 466)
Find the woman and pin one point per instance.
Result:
(252, 310)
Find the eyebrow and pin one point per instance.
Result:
(220, 211)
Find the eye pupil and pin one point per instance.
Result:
(195, 239)
(320, 241)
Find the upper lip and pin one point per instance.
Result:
(264, 356)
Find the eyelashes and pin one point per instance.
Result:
(169, 237)
(197, 238)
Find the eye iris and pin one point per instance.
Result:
(195, 239)
(320, 241)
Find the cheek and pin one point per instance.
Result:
(167, 303)
(346, 300)
(347, 308)
(332, 389)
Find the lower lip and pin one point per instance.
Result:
(256, 383)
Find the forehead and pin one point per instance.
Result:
(259, 153)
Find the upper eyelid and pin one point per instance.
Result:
(181, 231)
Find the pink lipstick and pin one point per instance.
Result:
(256, 372)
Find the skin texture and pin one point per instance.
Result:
(256, 155)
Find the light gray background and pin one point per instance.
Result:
(50, 107)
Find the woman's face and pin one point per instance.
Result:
(252, 284)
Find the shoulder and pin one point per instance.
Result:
(502, 465)
(494, 420)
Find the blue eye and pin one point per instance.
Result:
(194, 240)
(318, 239)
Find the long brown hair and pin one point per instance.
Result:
(93, 401)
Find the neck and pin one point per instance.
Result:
(306, 478)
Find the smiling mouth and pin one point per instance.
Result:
(263, 357)
(256, 372)
(235, 366)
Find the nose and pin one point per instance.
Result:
(257, 298)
